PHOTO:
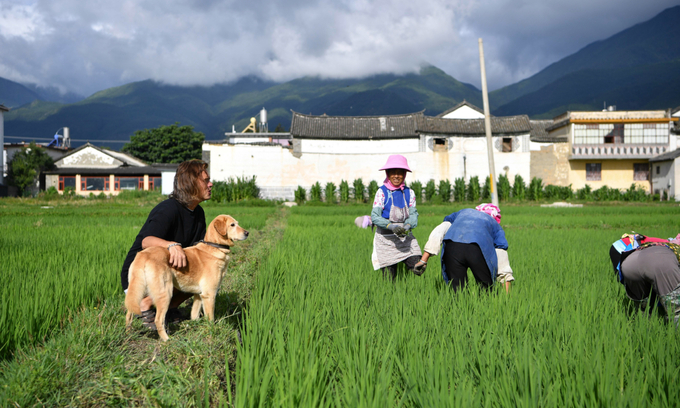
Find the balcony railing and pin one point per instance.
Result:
(617, 151)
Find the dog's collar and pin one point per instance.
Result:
(212, 244)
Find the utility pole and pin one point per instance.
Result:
(487, 126)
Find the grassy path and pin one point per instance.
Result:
(92, 361)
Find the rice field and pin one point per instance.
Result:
(57, 259)
(323, 329)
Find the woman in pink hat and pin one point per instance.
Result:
(471, 238)
(394, 214)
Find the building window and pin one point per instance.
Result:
(94, 183)
(628, 133)
(127, 183)
(658, 169)
(439, 144)
(155, 183)
(641, 171)
(593, 171)
(507, 145)
(66, 182)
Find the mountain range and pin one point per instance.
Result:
(634, 69)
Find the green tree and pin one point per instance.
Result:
(166, 144)
(26, 166)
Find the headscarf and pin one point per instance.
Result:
(387, 183)
(490, 209)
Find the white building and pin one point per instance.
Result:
(334, 148)
(665, 168)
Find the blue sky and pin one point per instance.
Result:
(86, 46)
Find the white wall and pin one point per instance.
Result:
(279, 172)
(167, 181)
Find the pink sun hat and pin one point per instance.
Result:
(396, 161)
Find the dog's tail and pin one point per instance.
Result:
(137, 285)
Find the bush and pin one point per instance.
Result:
(315, 192)
(535, 192)
(605, 193)
(372, 189)
(635, 193)
(329, 192)
(585, 193)
(344, 191)
(445, 190)
(503, 188)
(417, 188)
(300, 195)
(430, 190)
(235, 189)
(473, 190)
(359, 188)
(519, 188)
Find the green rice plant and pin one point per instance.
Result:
(329, 192)
(350, 338)
(315, 192)
(444, 190)
(359, 190)
(344, 191)
(519, 188)
(300, 195)
(535, 192)
(372, 189)
(417, 188)
(430, 190)
(503, 188)
(459, 189)
(474, 191)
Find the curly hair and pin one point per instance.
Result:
(185, 187)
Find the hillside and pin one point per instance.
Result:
(116, 113)
(643, 45)
(13, 94)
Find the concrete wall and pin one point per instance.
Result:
(279, 171)
(665, 178)
(615, 173)
(550, 163)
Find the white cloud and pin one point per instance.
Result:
(89, 46)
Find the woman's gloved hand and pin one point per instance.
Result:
(396, 228)
(420, 267)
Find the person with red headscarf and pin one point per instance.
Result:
(471, 238)
(394, 214)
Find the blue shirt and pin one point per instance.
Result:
(470, 226)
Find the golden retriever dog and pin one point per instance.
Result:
(151, 273)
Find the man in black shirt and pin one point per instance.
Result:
(173, 224)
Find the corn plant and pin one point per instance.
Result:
(359, 190)
(430, 190)
(519, 188)
(300, 195)
(473, 191)
(344, 191)
(536, 189)
(503, 188)
(459, 189)
(372, 189)
(444, 190)
(315, 192)
(417, 188)
(329, 192)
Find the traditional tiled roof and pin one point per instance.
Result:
(540, 134)
(3, 108)
(666, 156)
(354, 127)
(505, 125)
(460, 105)
(127, 159)
(118, 171)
